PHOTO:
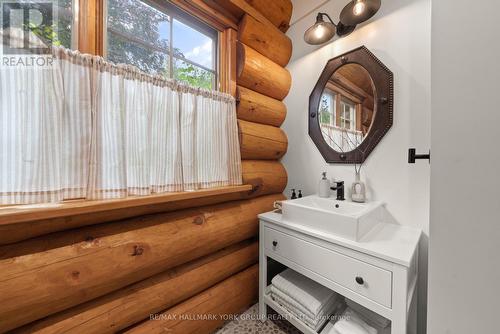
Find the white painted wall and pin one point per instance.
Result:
(399, 35)
(302, 8)
(464, 269)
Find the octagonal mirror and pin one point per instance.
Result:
(351, 106)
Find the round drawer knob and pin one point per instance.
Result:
(360, 280)
(275, 243)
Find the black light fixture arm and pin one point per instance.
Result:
(342, 29)
(319, 17)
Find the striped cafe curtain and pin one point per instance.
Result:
(86, 128)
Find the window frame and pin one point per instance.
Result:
(75, 22)
(174, 13)
(345, 102)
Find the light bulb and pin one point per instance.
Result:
(359, 7)
(319, 32)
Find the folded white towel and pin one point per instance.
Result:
(322, 312)
(297, 310)
(297, 313)
(351, 323)
(313, 296)
(368, 315)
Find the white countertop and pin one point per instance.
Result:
(391, 242)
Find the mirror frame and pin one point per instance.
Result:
(383, 86)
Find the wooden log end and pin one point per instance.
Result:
(255, 107)
(265, 39)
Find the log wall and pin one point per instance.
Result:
(259, 141)
(110, 271)
(279, 12)
(259, 108)
(118, 310)
(263, 82)
(261, 74)
(228, 297)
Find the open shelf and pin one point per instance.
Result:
(299, 324)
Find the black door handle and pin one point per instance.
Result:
(360, 280)
(412, 156)
(275, 243)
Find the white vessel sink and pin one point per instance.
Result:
(346, 219)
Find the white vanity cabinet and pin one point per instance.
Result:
(379, 271)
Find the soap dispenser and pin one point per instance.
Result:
(324, 187)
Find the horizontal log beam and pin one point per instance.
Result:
(258, 108)
(273, 13)
(267, 177)
(49, 274)
(205, 310)
(279, 12)
(128, 306)
(261, 142)
(259, 73)
(265, 39)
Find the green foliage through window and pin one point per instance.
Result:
(193, 75)
(140, 35)
(60, 31)
(324, 111)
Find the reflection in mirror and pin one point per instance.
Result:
(346, 108)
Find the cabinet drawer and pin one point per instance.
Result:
(376, 283)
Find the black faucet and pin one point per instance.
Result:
(340, 190)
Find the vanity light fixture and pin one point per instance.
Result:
(322, 31)
(355, 12)
(358, 11)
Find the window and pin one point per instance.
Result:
(64, 32)
(162, 40)
(347, 115)
(327, 109)
(60, 31)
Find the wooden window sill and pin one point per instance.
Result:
(25, 213)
